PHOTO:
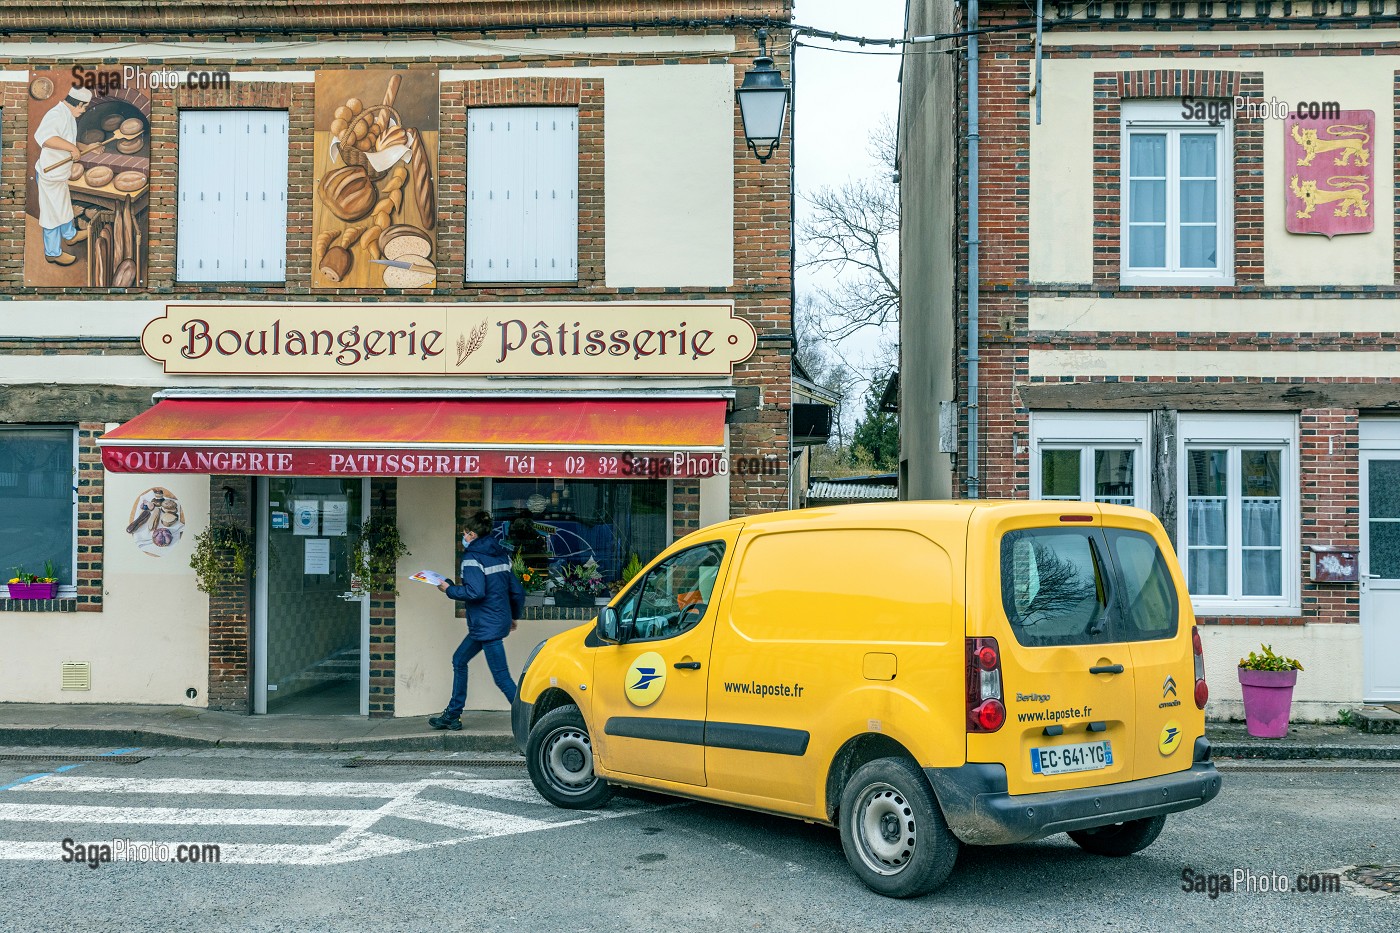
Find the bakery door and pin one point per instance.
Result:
(312, 628)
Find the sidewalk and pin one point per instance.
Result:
(170, 726)
(91, 725)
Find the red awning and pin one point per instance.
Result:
(625, 438)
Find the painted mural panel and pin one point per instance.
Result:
(89, 158)
(1328, 172)
(375, 218)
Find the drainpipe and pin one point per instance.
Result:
(973, 242)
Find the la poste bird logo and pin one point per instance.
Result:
(646, 678)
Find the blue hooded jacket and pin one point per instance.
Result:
(493, 594)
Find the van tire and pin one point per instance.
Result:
(1119, 839)
(879, 797)
(559, 757)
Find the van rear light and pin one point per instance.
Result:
(985, 710)
(1199, 661)
(991, 715)
(1076, 518)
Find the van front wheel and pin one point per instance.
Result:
(892, 831)
(559, 757)
(1120, 839)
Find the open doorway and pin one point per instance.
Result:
(312, 624)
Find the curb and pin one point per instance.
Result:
(59, 736)
(1259, 750)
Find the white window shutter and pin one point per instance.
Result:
(522, 194)
(232, 222)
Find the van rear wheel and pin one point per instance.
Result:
(559, 757)
(1120, 839)
(893, 832)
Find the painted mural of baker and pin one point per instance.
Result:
(57, 137)
(89, 165)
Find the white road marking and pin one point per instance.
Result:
(359, 839)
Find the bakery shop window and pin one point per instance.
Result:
(38, 504)
(551, 523)
(231, 213)
(522, 194)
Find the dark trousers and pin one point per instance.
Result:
(495, 659)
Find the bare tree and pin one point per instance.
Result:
(853, 232)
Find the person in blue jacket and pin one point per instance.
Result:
(494, 599)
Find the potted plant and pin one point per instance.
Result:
(578, 585)
(35, 586)
(1267, 680)
(532, 579)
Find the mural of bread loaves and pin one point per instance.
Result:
(375, 161)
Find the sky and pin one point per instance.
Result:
(840, 99)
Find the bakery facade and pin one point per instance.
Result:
(265, 310)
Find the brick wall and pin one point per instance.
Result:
(231, 499)
(383, 499)
(1328, 482)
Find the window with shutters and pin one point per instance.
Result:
(231, 221)
(522, 194)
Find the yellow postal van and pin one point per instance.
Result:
(918, 674)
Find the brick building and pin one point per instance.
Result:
(1186, 273)
(315, 269)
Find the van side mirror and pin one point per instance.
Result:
(607, 626)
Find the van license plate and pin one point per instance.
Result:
(1062, 759)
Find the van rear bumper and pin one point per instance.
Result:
(981, 812)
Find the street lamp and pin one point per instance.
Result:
(763, 103)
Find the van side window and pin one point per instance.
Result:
(1147, 594)
(1053, 586)
(675, 595)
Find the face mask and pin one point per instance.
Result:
(465, 540)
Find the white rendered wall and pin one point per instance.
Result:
(150, 642)
(1330, 654)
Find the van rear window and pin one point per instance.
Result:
(1064, 586)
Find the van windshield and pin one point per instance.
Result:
(1062, 586)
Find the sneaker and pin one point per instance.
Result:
(442, 722)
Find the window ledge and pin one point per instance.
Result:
(1227, 610)
(1135, 280)
(60, 604)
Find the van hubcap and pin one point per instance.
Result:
(568, 760)
(883, 826)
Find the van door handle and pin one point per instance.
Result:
(687, 665)
(1106, 669)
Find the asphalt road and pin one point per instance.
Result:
(306, 843)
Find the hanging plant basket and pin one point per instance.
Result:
(378, 549)
(223, 555)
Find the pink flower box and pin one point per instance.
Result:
(33, 590)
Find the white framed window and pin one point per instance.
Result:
(1176, 198)
(1238, 512)
(1100, 457)
(231, 212)
(39, 503)
(522, 194)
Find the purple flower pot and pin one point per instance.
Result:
(33, 590)
(1268, 696)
